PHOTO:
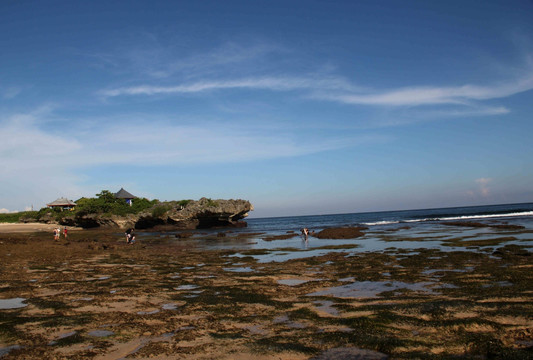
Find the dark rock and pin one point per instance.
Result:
(184, 235)
(340, 233)
(511, 250)
(350, 353)
(279, 237)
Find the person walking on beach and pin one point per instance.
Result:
(65, 232)
(56, 234)
(305, 233)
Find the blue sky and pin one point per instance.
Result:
(301, 107)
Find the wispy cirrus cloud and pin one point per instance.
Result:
(334, 88)
(259, 83)
(146, 57)
(433, 95)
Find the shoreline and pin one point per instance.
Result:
(6, 228)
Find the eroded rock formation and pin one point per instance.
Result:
(203, 213)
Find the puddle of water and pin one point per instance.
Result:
(100, 333)
(169, 306)
(84, 299)
(370, 289)
(292, 282)
(498, 283)
(284, 319)
(184, 328)
(432, 271)
(62, 336)
(15, 303)
(148, 312)
(327, 307)
(6, 350)
(256, 330)
(295, 325)
(186, 287)
(240, 269)
(280, 319)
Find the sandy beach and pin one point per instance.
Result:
(95, 297)
(6, 228)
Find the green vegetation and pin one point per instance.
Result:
(160, 210)
(212, 203)
(15, 217)
(104, 203)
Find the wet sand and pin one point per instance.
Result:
(95, 297)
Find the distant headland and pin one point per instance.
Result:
(124, 210)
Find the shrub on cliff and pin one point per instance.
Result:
(160, 210)
(106, 203)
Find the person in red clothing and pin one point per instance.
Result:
(65, 232)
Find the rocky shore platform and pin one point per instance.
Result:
(96, 297)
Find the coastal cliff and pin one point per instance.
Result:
(188, 214)
(201, 214)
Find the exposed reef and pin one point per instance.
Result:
(341, 233)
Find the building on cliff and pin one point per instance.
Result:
(62, 203)
(123, 194)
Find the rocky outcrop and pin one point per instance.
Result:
(204, 213)
(341, 233)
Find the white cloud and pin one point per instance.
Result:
(483, 183)
(337, 89)
(39, 164)
(10, 92)
(264, 83)
(414, 96)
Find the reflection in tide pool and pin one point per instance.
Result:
(100, 333)
(239, 269)
(15, 303)
(370, 289)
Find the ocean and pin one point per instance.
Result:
(406, 231)
(512, 213)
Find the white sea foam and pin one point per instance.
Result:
(468, 217)
(384, 222)
(450, 218)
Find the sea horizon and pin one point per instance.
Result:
(393, 211)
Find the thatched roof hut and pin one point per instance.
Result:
(62, 203)
(123, 194)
